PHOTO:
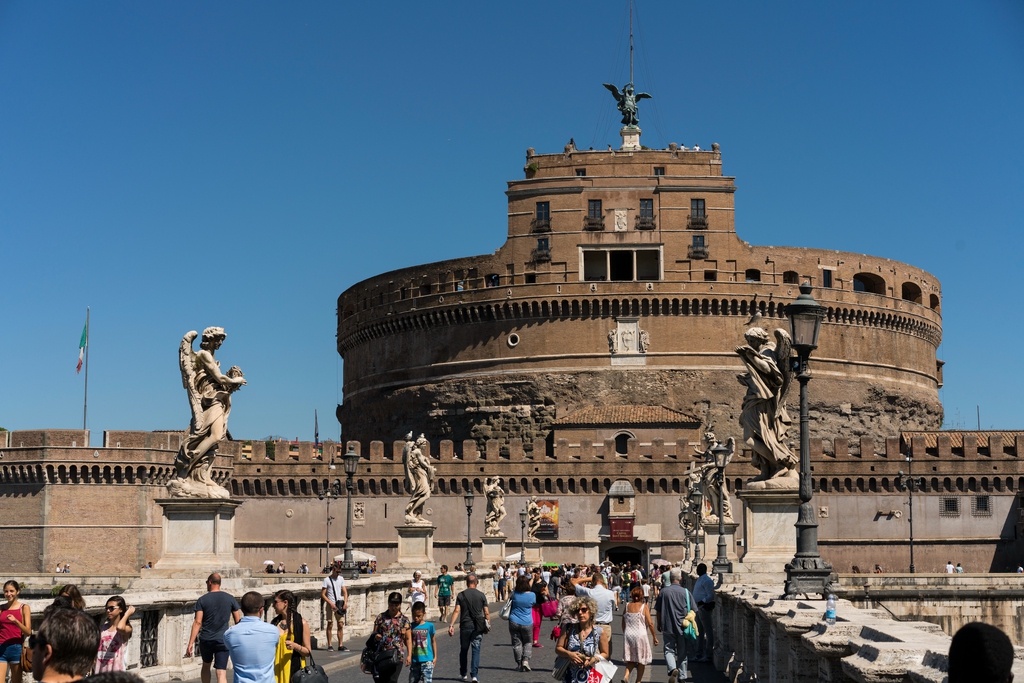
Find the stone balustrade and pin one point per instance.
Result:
(163, 618)
(765, 638)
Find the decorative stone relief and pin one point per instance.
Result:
(358, 513)
(628, 343)
(621, 220)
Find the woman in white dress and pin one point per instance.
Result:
(636, 622)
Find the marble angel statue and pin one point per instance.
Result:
(209, 395)
(495, 506)
(419, 477)
(764, 418)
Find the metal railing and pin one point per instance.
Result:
(697, 251)
(590, 223)
(540, 225)
(697, 222)
(645, 223)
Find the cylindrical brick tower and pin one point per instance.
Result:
(623, 282)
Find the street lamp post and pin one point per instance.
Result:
(348, 565)
(522, 541)
(722, 565)
(698, 515)
(807, 573)
(330, 494)
(906, 482)
(469, 564)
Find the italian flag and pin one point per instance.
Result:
(82, 344)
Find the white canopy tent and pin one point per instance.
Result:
(357, 556)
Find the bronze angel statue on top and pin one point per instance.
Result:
(626, 102)
(764, 418)
(209, 395)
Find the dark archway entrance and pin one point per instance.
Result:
(623, 554)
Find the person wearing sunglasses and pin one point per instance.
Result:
(583, 643)
(114, 636)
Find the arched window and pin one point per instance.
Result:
(790, 277)
(868, 282)
(622, 443)
(752, 275)
(910, 292)
(933, 302)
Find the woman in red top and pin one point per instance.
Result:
(15, 624)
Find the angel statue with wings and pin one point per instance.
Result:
(764, 418)
(419, 478)
(209, 394)
(626, 102)
(710, 477)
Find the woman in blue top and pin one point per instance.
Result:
(520, 622)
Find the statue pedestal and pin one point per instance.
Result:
(533, 552)
(198, 534)
(710, 550)
(769, 534)
(415, 548)
(493, 549)
(630, 138)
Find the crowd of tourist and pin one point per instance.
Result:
(579, 602)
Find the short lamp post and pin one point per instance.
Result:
(351, 460)
(722, 565)
(906, 482)
(522, 538)
(807, 573)
(698, 515)
(469, 564)
(332, 493)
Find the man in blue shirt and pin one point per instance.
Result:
(704, 595)
(252, 643)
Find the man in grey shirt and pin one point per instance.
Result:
(672, 608)
(607, 601)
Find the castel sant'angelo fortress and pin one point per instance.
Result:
(581, 363)
(623, 283)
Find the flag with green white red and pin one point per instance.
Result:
(81, 346)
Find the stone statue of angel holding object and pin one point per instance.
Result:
(209, 395)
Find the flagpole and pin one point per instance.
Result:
(85, 403)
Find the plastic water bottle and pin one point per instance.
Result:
(830, 610)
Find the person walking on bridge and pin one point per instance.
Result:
(473, 615)
(673, 605)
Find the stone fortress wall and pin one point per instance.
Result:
(59, 501)
(499, 346)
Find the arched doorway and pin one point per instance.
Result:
(622, 554)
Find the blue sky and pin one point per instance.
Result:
(182, 164)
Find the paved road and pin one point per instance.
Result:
(496, 662)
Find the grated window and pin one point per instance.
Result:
(981, 506)
(949, 506)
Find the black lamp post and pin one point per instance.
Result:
(698, 515)
(522, 541)
(906, 482)
(469, 564)
(332, 493)
(722, 565)
(348, 566)
(807, 573)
